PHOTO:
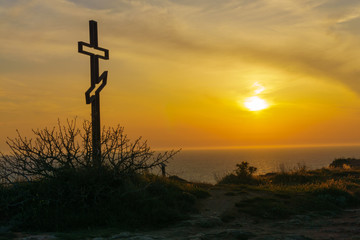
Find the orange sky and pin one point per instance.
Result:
(180, 71)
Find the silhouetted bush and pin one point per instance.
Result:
(345, 163)
(82, 199)
(243, 174)
(55, 150)
(50, 183)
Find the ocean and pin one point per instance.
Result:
(210, 164)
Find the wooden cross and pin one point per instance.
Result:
(95, 52)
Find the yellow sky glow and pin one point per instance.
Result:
(182, 72)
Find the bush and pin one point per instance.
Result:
(55, 150)
(80, 199)
(50, 183)
(243, 174)
(345, 163)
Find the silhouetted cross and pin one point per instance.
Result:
(94, 53)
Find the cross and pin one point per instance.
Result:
(95, 52)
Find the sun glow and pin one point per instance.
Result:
(255, 103)
(259, 89)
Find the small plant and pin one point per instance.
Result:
(243, 174)
(243, 170)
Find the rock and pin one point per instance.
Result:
(142, 238)
(268, 238)
(131, 236)
(296, 222)
(204, 222)
(209, 222)
(296, 237)
(279, 224)
(39, 237)
(304, 218)
(227, 216)
(187, 223)
(122, 235)
(235, 234)
(199, 236)
(281, 237)
(223, 234)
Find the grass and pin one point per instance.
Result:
(299, 191)
(81, 199)
(82, 204)
(284, 201)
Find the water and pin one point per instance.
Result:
(205, 165)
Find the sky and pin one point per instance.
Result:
(182, 73)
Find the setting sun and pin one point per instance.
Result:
(255, 103)
(139, 101)
(217, 74)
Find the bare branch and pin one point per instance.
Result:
(67, 147)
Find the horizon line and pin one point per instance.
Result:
(259, 146)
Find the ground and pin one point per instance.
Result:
(219, 218)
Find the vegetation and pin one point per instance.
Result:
(300, 191)
(49, 183)
(345, 163)
(283, 201)
(81, 199)
(243, 174)
(67, 147)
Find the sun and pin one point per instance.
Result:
(255, 103)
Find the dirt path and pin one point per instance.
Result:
(219, 218)
(222, 204)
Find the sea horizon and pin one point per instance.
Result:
(257, 146)
(205, 165)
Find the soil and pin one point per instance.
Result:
(345, 225)
(219, 218)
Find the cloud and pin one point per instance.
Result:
(182, 40)
(274, 32)
(102, 5)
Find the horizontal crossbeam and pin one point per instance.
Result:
(96, 50)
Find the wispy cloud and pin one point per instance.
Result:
(158, 48)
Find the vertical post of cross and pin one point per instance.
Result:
(95, 105)
(94, 98)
